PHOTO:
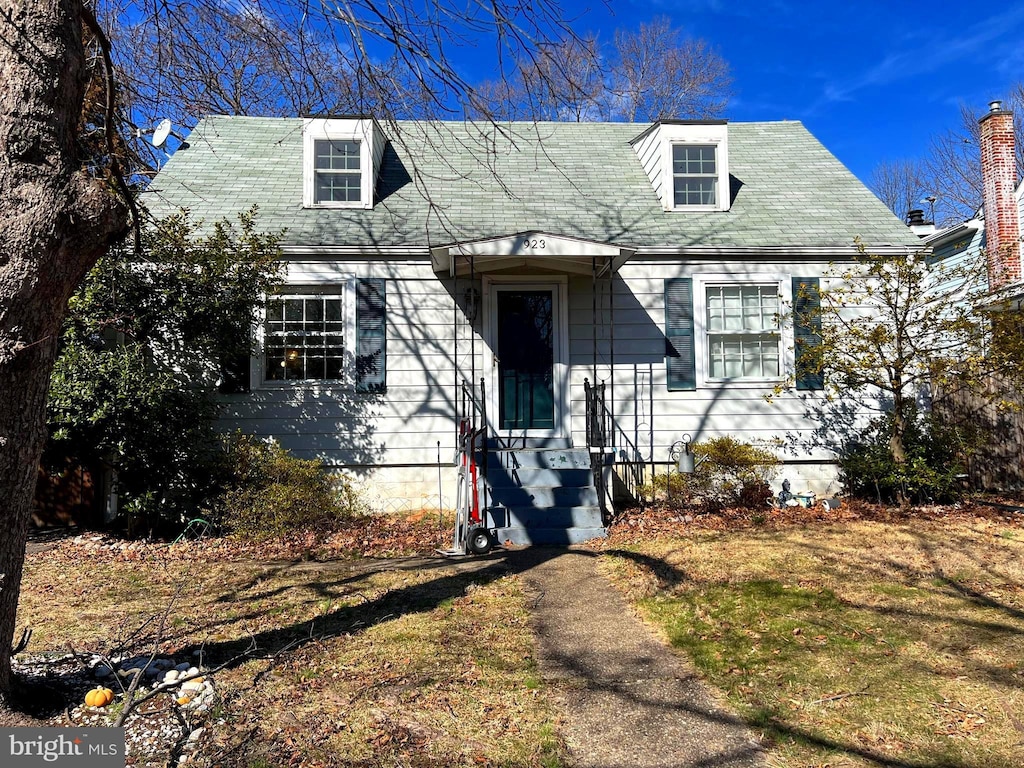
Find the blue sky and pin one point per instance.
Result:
(872, 80)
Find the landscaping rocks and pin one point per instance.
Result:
(158, 728)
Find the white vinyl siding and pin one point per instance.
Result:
(389, 439)
(334, 420)
(743, 336)
(687, 164)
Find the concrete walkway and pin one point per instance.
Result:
(628, 701)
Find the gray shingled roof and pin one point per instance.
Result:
(575, 179)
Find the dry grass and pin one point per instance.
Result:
(372, 663)
(852, 643)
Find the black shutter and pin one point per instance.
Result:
(807, 333)
(371, 335)
(234, 374)
(680, 359)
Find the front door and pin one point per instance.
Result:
(527, 346)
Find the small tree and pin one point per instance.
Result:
(894, 329)
(144, 348)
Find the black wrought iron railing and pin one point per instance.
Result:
(598, 417)
(603, 434)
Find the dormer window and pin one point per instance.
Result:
(338, 176)
(687, 162)
(341, 161)
(694, 174)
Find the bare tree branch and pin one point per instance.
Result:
(949, 170)
(902, 185)
(659, 74)
(649, 73)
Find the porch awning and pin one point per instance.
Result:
(529, 250)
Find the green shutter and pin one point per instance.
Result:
(371, 335)
(680, 359)
(807, 333)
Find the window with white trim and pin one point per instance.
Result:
(304, 338)
(340, 162)
(744, 339)
(338, 335)
(694, 175)
(337, 171)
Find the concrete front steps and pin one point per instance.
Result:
(542, 495)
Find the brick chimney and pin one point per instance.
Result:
(999, 177)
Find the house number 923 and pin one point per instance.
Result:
(536, 243)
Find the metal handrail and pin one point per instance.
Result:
(474, 410)
(598, 417)
(603, 433)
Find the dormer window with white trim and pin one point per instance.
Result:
(687, 162)
(341, 160)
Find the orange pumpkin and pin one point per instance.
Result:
(99, 697)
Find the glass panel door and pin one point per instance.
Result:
(526, 357)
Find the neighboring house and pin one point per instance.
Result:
(539, 258)
(993, 236)
(990, 244)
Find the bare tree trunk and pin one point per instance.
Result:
(55, 221)
(897, 438)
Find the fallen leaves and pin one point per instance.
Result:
(658, 519)
(956, 720)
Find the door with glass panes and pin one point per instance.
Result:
(526, 341)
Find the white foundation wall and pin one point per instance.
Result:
(394, 489)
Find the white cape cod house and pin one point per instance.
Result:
(525, 264)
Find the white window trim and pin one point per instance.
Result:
(722, 190)
(359, 130)
(712, 134)
(700, 327)
(673, 176)
(491, 284)
(347, 290)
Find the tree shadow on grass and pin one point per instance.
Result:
(458, 577)
(455, 580)
(777, 725)
(347, 620)
(668, 576)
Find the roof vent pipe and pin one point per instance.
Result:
(915, 217)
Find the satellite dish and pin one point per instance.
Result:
(161, 132)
